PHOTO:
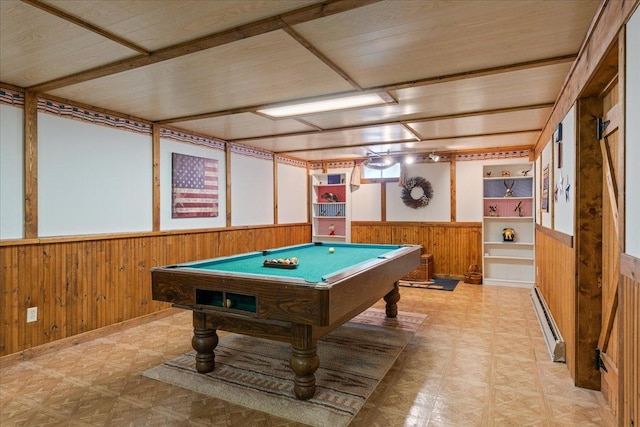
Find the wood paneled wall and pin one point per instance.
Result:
(454, 246)
(555, 276)
(629, 341)
(87, 283)
(630, 366)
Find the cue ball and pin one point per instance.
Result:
(331, 250)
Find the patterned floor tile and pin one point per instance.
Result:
(478, 360)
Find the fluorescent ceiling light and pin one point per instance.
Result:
(353, 101)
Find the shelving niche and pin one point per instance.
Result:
(508, 263)
(330, 219)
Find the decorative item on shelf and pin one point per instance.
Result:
(519, 208)
(323, 212)
(509, 188)
(332, 229)
(508, 234)
(506, 173)
(489, 173)
(493, 210)
(526, 173)
(330, 197)
(422, 195)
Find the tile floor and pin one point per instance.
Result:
(479, 360)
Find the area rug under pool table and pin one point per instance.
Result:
(255, 373)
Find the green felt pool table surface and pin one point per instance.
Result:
(315, 263)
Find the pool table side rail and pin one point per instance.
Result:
(370, 285)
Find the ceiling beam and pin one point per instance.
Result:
(404, 141)
(298, 16)
(321, 56)
(404, 123)
(394, 86)
(87, 26)
(491, 71)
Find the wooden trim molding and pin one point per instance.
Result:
(630, 267)
(452, 183)
(416, 224)
(604, 30)
(227, 150)
(558, 236)
(30, 165)
(119, 236)
(155, 143)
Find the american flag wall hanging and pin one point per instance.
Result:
(194, 187)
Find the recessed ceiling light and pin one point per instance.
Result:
(353, 101)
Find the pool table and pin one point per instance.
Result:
(260, 294)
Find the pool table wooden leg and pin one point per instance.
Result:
(392, 299)
(204, 341)
(304, 360)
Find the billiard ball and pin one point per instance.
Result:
(331, 250)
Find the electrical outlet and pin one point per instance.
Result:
(32, 314)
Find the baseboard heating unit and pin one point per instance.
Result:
(550, 330)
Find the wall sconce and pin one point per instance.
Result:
(433, 156)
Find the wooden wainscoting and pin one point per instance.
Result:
(454, 246)
(630, 341)
(81, 284)
(555, 276)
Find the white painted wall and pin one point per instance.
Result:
(366, 203)
(292, 191)
(169, 146)
(632, 138)
(11, 173)
(564, 206)
(251, 190)
(92, 179)
(438, 209)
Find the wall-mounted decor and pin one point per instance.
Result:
(417, 192)
(545, 189)
(194, 187)
(557, 137)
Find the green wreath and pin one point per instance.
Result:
(422, 201)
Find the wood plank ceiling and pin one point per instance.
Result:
(462, 76)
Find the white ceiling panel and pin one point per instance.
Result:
(37, 46)
(467, 75)
(158, 24)
(525, 87)
(363, 136)
(449, 145)
(483, 124)
(394, 41)
(253, 71)
(243, 125)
